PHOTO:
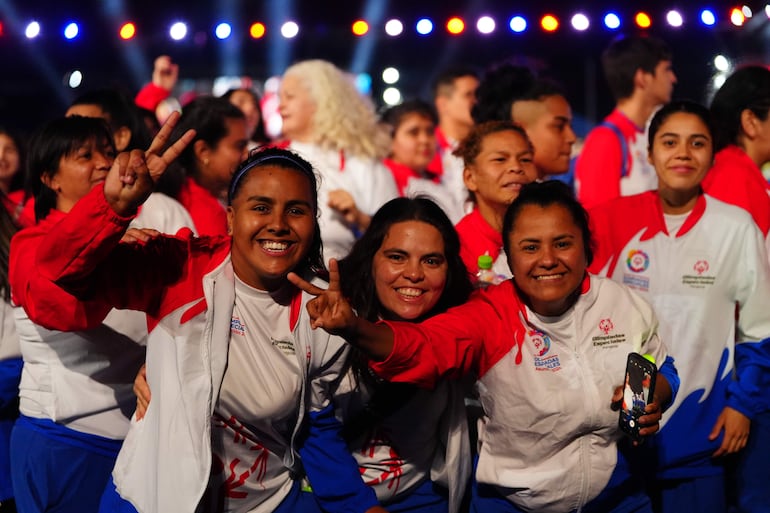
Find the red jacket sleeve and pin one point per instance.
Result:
(89, 271)
(150, 96)
(470, 338)
(598, 168)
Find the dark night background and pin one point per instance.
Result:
(33, 78)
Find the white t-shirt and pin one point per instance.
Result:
(258, 402)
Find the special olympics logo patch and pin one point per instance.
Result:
(637, 261)
(541, 341)
(606, 326)
(700, 267)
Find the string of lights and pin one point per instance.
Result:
(550, 22)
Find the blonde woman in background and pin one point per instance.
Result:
(326, 120)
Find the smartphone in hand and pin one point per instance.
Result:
(638, 389)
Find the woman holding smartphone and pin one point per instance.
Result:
(695, 259)
(545, 377)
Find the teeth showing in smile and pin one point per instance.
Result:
(275, 246)
(409, 292)
(549, 277)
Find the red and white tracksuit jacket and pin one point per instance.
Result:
(186, 285)
(545, 384)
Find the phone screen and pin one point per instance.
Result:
(636, 393)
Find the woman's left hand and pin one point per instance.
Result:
(329, 309)
(736, 426)
(132, 176)
(139, 235)
(343, 203)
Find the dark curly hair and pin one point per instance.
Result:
(506, 84)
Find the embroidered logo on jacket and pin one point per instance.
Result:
(609, 338)
(637, 261)
(285, 346)
(542, 343)
(700, 279)
(237, 327)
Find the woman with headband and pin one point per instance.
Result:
(227, 323)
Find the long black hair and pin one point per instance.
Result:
(747, 88)
(358, 286)
(7, 230)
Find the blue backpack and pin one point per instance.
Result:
(623, 146)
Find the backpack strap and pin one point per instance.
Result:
(623, 146)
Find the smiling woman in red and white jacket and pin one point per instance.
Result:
(549, 347)
(226, 322)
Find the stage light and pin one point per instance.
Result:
(737, 17)
(257, 30)
(364, 83)
(746, 10)
(424, 26)
(455, 26)
(390, 75)
(394, 28)
(580, 22)
(75, 79)
(721, 63)
(223, 30)
(391, 96)
(2, 29)
(767, 13)
(518, 24)
(707, 17)
(485, 25)
(127, 31)
(719, 80)
(549, 23)
(32, 30)
(643, 20)
(289, 29)
(71, 30)
(612, 21)
(674, 18)
(360, 27)
(178, 31)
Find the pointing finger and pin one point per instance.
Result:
(304, 285)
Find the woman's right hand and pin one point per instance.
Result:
(332, 312)
(142, 392)
(132, 176)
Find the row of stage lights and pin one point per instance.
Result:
(484, 25)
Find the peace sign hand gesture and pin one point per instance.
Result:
(329, 309)
(332, 312)
(132, 176)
